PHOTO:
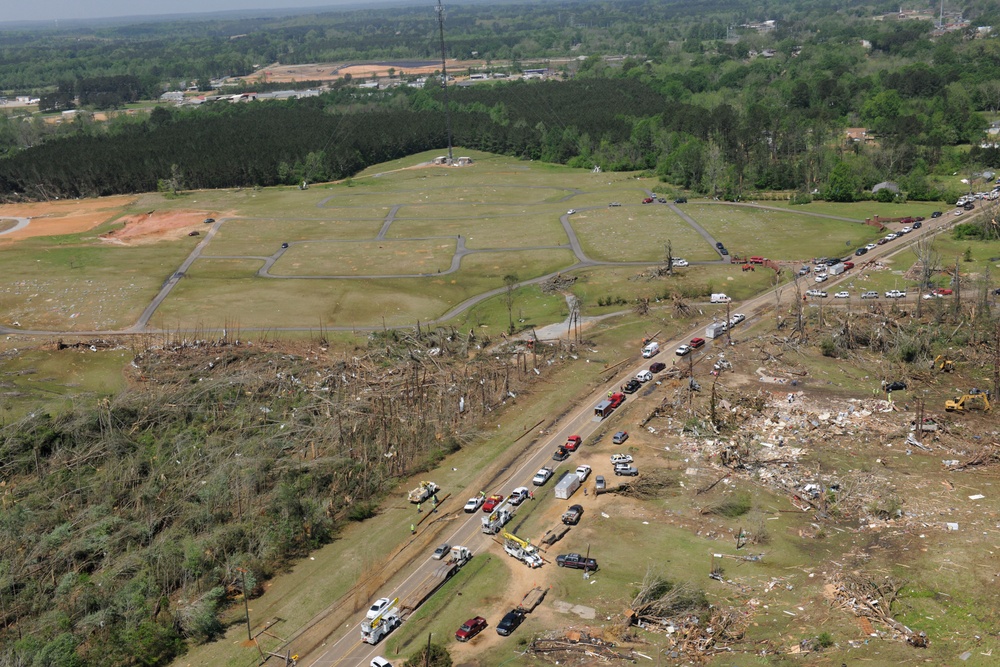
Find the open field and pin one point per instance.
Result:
(365, 258)
(783, 236)
(627, 234)
(498, 231)
(264, 237)
(866, 209)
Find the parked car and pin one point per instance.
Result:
(682, 350)
(560, 454)
(379, 661)
(378, 607)
(519, 495)
(618, 459)
(858, 252)
(492, 502)
(657, 367)
(936, 214)
(648, 200)
(614, 204)
(723, 251)
(620, 437)
(573, 443)
(680, 262)
(576, 561)
(872, 246)
(822, 278)
(697, 342)
(284, 245)
(571, 211)
(599, 483)
(441, 551)
(643, 376)
(194, 233)
(918, 224)
(473, 504)
(541, 476)
(681, 200)
(632, 386)
(842, 295)
(470, 629)
(895, 294)
(572, 516)
(626, 471)
(719, 245)
(208, 221)
(737, 318)
(898, 385)
(510, 622)
(583, 472)
(870, 295)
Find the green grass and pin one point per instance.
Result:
(506, 230)
(365, 258)
(864, 209)
(264, 237)
(782, 236)
(638, 234)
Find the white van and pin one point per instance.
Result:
(720, 298)
(651, 350)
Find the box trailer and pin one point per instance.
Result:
(715, 329)
(567, 486)
(837, 269)
(605, 408)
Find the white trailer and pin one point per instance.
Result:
(715, 329)
(837, 269)
(567, 486)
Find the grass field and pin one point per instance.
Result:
(638, 234)
(500, 231)
(783, 236)
(365, 258)
(866, 209)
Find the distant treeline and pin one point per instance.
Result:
(102, 92)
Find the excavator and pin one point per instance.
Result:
(975, 398)
(943, 363)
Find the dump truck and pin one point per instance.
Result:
(497, 519)
(423, 492)
(373, 630)
(459, 556)
(523, 550)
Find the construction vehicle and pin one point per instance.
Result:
(523, 550)
(943, 363)
(973, 399)
(423, 492)
(459, 556)
(497, 519)
(373, 630)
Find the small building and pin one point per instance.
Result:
(858, 135)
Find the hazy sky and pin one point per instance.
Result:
(88, 9)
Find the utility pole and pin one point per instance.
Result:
(729, 321)
(427, 653)
(246, 600)
(444, 77)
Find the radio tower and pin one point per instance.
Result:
(444, 77)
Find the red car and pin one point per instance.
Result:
(573, 443)
(492, 502)
(848, 265)
(943, 291)
(470, 629)
(696, 343)
(648, 200)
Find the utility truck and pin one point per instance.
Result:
(423, 492)
(523, 550)
(374, 629)
(497, 519)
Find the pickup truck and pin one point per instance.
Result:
(626, 470)
(583, 472)
(542, 476)
(571, 517)
(576, 561)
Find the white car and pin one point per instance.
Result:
(890, 237)
(842, 295)
(519, 495)
(379, 661)
(821, 278)
(376, 609)
(959, 211)
(583, 472)
(933, 295)
(872, 246)
(682, 350)
(571, 211)
(680, 261)
(621, 458)
(906, 230)
(643, 376)
(737, 318)
(541, 476)
(895, 294)
(474, 504)
(816, 292)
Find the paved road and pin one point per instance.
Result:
(19, 224)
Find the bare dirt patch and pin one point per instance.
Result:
(156, 226)
(70, 216)
(334, 71)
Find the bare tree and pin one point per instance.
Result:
(510, 282)
(930, 261)
(777, 299)
(669, 257)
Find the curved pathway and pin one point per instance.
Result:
(19, 224)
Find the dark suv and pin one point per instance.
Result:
(509, 622)
(632, 386)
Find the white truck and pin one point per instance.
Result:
(715, 329)
(720, 298)
(497, 519)
(523, 550)
(423, 492)
(651, 350)
(567, 486)
(373, 630)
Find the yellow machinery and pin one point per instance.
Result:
(968, 402)
(943, 363)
